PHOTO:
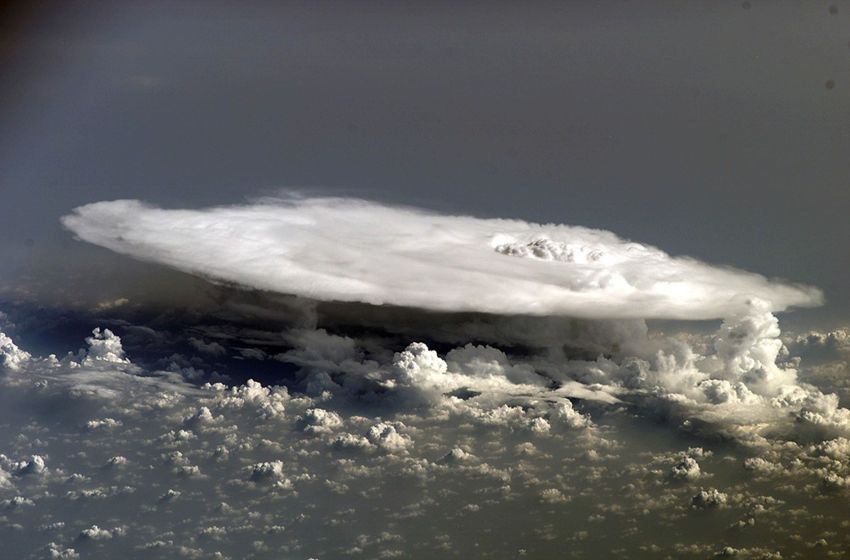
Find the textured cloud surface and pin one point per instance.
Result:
(386, 459)
(352, 250)
(392, 431)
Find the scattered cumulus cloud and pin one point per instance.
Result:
(226, 471)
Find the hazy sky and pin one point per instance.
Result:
(707, 129)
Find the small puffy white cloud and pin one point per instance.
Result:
(330, 249)
(320, 421)
(708, 499)
(539, 426)
(562, 413)
(553, 496)
(269, 469)
(837, 449)
(58, 552)
(486, 361)
(268, 472)
(169, 496)
(762, 466)
(103, 424)
(420, 376)
(422, 370)
(686, 468)
(456, 456)
(837, 341)
(5, 479)
(417, 365)
(11, 357)
(95, 533)
(35, 465)
(188, 471)
(201, 418)
(104, 346)
(269, 402)
(351, 441)
(214, 532)
(16, 503)
(388, 438)
(117, 461)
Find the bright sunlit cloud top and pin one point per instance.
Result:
(339, 249)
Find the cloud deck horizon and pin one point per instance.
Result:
(351, 250)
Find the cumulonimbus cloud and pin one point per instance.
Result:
(341, 249)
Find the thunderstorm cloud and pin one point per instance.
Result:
(512, 369)
(350, 250)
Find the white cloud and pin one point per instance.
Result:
(382, 470)
(95, 533)
(320, 421)
(563, 414)
(420, 377)
(686, 468)
(486, 361)
(16, 502)
(351, 441)
(103, 424)
(58, 552)
(104, 346)
(35, 465)
(353, 250)
(201, 419)
(708, 499)
(269, 472)
(11, 357)
(387, 437)
(117, 461)
(553, 496)
(268, 402)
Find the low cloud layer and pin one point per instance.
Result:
(350, 250)
(428, 454)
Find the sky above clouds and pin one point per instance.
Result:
(424, 280)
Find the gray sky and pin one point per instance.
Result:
(706, 129)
